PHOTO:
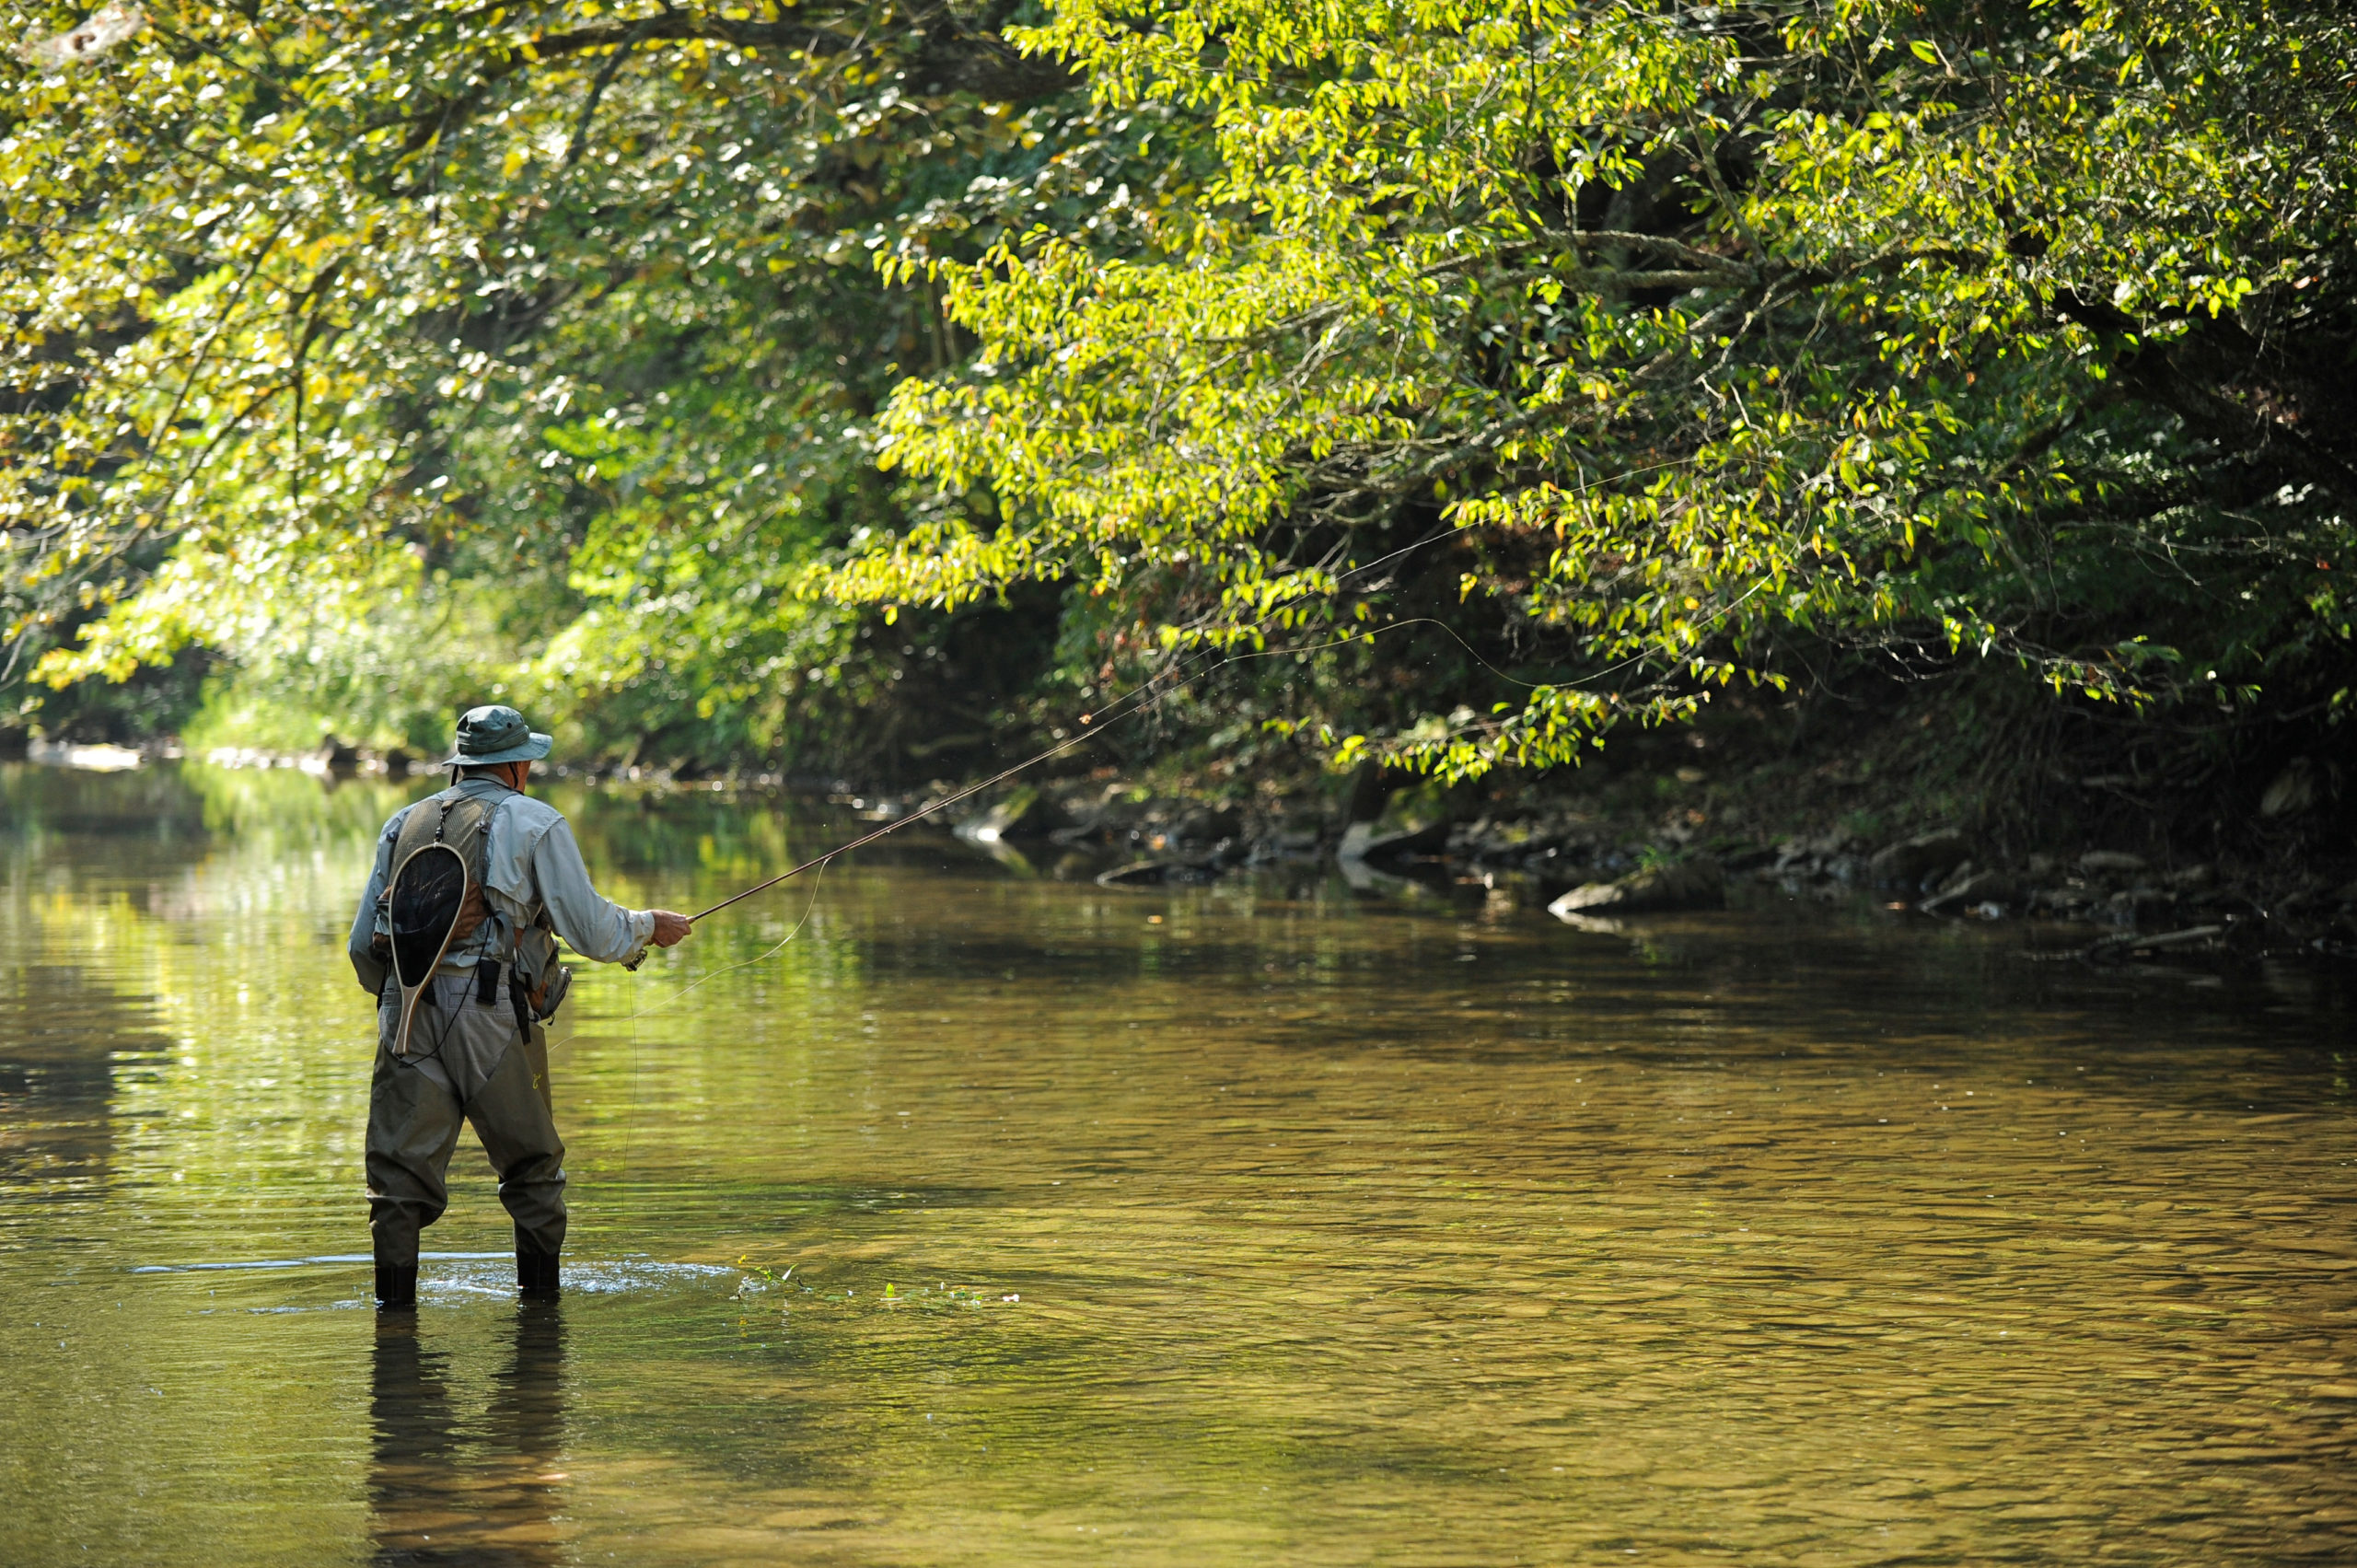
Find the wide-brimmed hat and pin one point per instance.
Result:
(495, 733)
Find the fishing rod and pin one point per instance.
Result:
(1127, 705)
(917, 816)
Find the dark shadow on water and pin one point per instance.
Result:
(456, 1494)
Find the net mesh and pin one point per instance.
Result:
(427, 891)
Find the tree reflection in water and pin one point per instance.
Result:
(446, 1491)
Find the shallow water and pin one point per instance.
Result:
(1243, 1224)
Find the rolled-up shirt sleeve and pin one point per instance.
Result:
(365, 963)
(592, 926)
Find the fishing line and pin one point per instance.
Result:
(815, 883)
(638, 1012)
(1133, 701)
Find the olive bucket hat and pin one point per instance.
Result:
(495, 733)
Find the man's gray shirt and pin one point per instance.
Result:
(532, 866)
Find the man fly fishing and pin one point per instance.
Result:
(456, 939)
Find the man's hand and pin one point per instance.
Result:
(671, 929)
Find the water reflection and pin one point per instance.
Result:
(62, 1039)
(449, 1492)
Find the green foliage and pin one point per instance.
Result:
(1966, 329)
(409, 354)
(376, 682)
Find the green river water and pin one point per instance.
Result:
(1258, 1222)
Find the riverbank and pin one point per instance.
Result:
(1882, 812)
(1588, 862)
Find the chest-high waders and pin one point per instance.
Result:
(467, 1059)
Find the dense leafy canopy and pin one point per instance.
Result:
(2018, 329)
(1495, 374)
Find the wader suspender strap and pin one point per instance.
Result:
(483, 862)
